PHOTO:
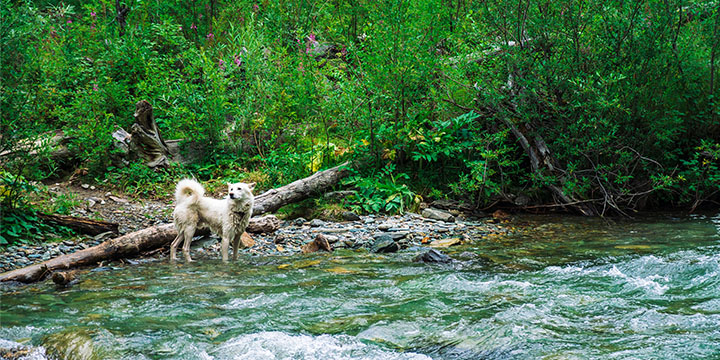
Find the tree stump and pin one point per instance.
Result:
(146, 139)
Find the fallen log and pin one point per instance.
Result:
(150, 238)
(274, 199)
(81, 225)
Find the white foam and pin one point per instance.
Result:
(279, 345)
(648, 283)
(35, 353)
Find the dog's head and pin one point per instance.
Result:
(240, 191)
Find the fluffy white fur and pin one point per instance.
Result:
(227, 218)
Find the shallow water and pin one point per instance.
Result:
(559, 288)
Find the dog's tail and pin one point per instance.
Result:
(188, 190)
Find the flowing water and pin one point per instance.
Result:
(559, 288)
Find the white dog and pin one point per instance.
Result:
(227, 218)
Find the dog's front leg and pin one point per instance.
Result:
(224, 246)
(236, 245)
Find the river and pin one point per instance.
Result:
(557, 288)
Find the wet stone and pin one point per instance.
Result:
(385, 244)
(385, 226)
(433, 256)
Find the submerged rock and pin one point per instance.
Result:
(72, 344)
(433, 256)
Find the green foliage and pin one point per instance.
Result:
(621, 93)
(383, 192)
(18, 220)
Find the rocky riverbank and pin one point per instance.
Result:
(377, 233)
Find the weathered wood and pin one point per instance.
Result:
(264, 224)
(82, 225)
(124, 246)
(51, 144)
(146, 138)
(65, 277)
(137, 242)
(274, 199)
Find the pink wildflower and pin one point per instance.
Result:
(193, 27)
(221, 64)
(95, 87)
(237, 60)
(92, 14)
(69, 21)
(180, 27)
(210, 36)
(312, 37)
(343, 51)
(256, 7)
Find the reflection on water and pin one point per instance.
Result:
(558, 288)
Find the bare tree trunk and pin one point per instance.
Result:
(137, 242)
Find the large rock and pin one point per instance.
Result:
(320, 243)
(73, 344)
(452, 205)
(385, 244)
(350, 216)
(264, 224)
(436, 214)
(433, 256)
(446, 242)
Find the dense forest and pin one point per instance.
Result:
(596, 107)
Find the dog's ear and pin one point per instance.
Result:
(251, 185)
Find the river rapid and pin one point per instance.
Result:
(556, 288)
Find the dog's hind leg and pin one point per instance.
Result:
(174, 245)
(188, 232)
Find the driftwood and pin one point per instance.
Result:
(82, 225)
(65, 277)
(274, 199)
(264, 224)
(137, 242)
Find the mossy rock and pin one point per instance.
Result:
(73, 344)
